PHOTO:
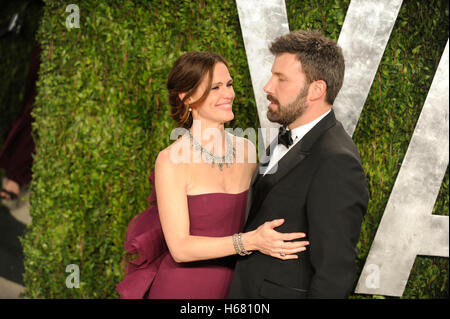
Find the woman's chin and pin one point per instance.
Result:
(226, 116)
(229, 117)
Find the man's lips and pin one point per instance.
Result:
(273, 104)
(273, 101)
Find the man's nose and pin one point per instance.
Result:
(268, 87)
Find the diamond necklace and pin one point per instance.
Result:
(209, 157)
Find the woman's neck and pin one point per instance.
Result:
(209, 134)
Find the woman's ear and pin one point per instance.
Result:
(181, 96)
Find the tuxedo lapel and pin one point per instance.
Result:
(256, 176)
(263, 166)
(262, 184)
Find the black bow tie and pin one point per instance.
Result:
(284, 137)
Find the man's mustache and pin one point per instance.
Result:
(272, 99)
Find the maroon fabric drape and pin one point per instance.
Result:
(145, 237)
(16, 153)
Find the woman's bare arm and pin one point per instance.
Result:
(174, 215)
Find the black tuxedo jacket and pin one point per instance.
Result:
(319, 188)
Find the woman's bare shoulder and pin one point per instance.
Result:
(172, 158)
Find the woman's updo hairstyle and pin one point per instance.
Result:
(186, 75)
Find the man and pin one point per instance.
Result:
(314, 180)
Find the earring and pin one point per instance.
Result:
(190, 110)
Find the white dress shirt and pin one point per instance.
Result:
(297, 134)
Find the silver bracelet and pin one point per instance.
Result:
(235, 239)
(242, 246)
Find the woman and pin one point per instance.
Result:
(201, 199)
(16, 151)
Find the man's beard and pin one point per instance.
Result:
(286, 114)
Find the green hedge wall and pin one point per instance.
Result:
(102, 117)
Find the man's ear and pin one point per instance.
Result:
(317, 90)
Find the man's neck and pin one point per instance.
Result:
(310, 115)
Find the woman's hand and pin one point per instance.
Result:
(272, 243)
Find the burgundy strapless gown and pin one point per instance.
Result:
(156, 275)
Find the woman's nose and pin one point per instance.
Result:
(230, 93)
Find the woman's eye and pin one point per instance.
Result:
(215, 88)
(230, 84)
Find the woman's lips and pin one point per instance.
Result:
(224, 106)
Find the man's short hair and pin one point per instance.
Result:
(321, 58)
